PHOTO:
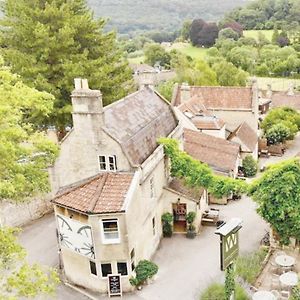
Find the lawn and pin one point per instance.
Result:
(277, 84)
(136, 60)
(254, 33)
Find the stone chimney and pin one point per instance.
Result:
(185, 92)
(290, 91)
(146, 78)
(87, 110)
(255, 101)
(269, 92)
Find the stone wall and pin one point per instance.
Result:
(12, 214)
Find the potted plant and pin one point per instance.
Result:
(191, 229)
(167, 226)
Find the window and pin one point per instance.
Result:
(107, 163)
(122, 268)
(153, 225)
(102, 162)
(132, 259)
(152, 193)
(110, 231)
(106, 269)
(93, 268)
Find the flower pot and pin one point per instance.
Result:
(191, 234)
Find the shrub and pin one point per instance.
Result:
(216, 291)
(278, 133)
(167, 219)
(255, 261)
(190, 218)
(144, 270)
(249, 166)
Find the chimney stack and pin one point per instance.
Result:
(185, 92)
(269, 92)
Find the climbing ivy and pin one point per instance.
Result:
(197, 174)
(229, 282)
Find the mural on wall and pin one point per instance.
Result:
(75, 236)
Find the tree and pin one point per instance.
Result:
(278, 133)
(25, 152)
(185, 30)
(166, 89)
(17, 278)
(196, 27)
(277, 193)
(155, 53)
(249, 165)
(49, 43)
(208, 35)
(228, 33)
(237, 27)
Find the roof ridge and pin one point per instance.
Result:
(98, 192)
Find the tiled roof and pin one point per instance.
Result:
(280, 99)
(246, 135)
(142, 68)
(218, 153)
(137, 121)
(200, 116)
(181, 188)
(219, 97)
(103, 193)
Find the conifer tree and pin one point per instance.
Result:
(50, 42)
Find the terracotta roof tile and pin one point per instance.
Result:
(218, 153)
(219, 97)
(180, 187)
(103, 193)
(280, 99)
(246, 135)
(137, 121)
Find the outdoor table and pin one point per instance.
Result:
(289, 279)
(285, 260)
(263, 295)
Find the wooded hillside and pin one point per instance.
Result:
(130, 16)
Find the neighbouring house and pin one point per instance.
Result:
(290, 99)
(233, 105)
(221, 155)
(112, 185)
(202, 119)
(245, 136)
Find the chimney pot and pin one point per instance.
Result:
(84, 84)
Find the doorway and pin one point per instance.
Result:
(179, 214)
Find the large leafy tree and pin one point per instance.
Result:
(25, 152)
(277, 193)
(17, 278)
(51, 42)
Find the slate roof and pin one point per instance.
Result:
(218, 153)
(200, 116)
(137, 121)
(103, 193)
(246, 135)
(219, 97)
(179, 187)
(280, 99)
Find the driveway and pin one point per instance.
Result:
(186, 266)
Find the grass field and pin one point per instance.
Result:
(277, 84)
(189, 50)
(254, 33)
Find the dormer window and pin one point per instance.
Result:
(107, 163)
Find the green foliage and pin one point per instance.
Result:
(167, 224)
(285, 116)
(144, 270)
(278, 133)
(185, 30)
(17, 278)
(49, 43)
(197, 174)
(295, 293)
(216, 291)
(25, 153)
(255, 259)
(155, 53)
(229, 282)
(277, 193)
(249, 165)
(166, 89)
(228, 33)
(190, 218)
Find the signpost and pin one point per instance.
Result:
(114, 285)
(229, 249)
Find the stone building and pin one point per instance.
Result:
(112, 186)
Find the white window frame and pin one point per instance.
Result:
(107, 163)
(123, 262)
(110, 241)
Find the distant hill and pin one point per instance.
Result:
(132, 16)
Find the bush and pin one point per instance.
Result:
(249, 166)
(167, 219)
(216, 291)
(144, 270)
(278, 133)
(255, 261)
